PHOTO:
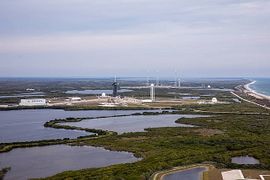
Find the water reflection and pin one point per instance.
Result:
(45, 161)
(248, 160)
(27, 125)
(190, 174)
(133, 123)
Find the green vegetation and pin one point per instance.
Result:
(3, 172)
(230, 130)
(233, 108)
(243, 133)
(5, 147)
(97, 132)
(51, 88)
(55, 124)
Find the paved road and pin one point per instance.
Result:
(250, 101)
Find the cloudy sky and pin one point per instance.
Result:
(189, 38)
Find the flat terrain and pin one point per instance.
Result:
(245, 132)
(233, 129)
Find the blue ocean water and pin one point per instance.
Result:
(262, 85)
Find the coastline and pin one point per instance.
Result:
(255, 93)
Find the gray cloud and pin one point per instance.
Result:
(134, 37)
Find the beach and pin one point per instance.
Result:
(261, 100)
(253, 93)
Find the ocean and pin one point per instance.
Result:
(262, 86)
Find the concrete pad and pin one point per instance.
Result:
(233, 175)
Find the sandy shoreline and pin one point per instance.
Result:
(254, 93)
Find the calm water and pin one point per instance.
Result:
(48, 160)
(132, 123)
(27, 125)
(98, 91)
(261, 86)
(191, 174)
(245, 160)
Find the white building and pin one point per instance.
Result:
(33, 102)
(233, 175)
(75, 99)
(104, 95)
(214, 100)
(237, 174)
(147, 101)
(152, 92)
(152, 95)
(30, 89)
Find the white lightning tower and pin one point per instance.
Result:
(175, 79)
(152, 92)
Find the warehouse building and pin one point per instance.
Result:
(33, 102)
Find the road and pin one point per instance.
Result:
(243, 99)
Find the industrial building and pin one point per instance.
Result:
(152, 95)
(238, 175)
(75, 99)
(115, 87)
(33, 102)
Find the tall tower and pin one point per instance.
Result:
(152, 92)
(175, 82)
(179, 82)
(115, 87)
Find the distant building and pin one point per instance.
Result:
(214, 100)
(147, 101)
(75, 99)
(152, 95)
(30, 89)
(233, 175)
(33, 102)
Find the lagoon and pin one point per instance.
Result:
(133, 123)
(246, 160)
(27, 125)
(46, 161)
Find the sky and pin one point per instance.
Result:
(98, 38)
